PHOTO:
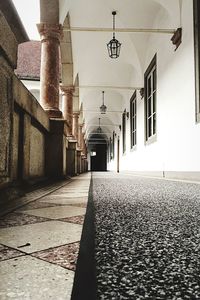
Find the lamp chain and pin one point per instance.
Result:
(103, 97)
(113, 26)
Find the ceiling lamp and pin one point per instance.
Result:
(103, 107)
(99, 130)
(114, 45)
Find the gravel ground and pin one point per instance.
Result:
(147, 240)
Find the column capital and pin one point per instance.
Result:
(67, 90)
(76, 114)
(50, 31)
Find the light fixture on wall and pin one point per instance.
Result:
(103, 107)
(99, 130)
(114, 45)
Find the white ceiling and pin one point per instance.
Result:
(90, 57)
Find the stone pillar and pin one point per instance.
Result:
(82, 143)
(80, 136)
(78, 161)
(67, 106)
(71, 159)
(75, 125)
(50, 73)
(55, 150)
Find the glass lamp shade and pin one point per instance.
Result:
(103, 109)
(99, 130)
(114, 47)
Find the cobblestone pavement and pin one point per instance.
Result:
(147, 243)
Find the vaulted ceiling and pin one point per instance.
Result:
(89, 58)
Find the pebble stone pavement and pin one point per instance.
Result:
(147, 243)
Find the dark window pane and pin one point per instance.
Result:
(149, 107)
(154, 80)
(154, 102)
(149, 127)
(148, 87)
(154, 123)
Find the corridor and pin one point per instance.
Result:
(144, 232)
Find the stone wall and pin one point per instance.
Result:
(30, 128)
(37, 154)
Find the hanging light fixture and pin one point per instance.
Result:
(114, 45)
(99, 130)
(103, 107)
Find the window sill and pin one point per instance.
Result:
(151, 140)
(197, 118)
(134, 148)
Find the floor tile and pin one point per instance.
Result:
(64, 256)
(75, 220)
(7, 253)
(79, 204)
(57, 212)
(40, 236)
(28, 278)
(37, 204)
(70, 195)
(64, 200)
(16, 219)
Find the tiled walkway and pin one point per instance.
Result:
(39, 243)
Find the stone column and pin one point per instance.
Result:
(80, 136)
(50, 73)
(67, 106)
(75, 125)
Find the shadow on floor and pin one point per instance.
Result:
(85, 280)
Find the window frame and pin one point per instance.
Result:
(150, 96)
(133, 120)
(124, 132)
(113, 145)
(196, 17)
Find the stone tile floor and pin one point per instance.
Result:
(39, 243)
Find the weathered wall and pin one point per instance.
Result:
(37, 154)
(30, 128)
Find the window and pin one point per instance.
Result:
(150, 87)
(197, 55)
(124, 131)
(113, 144)
(133, 119)
(111, 154)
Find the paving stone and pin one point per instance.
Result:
(64, 256)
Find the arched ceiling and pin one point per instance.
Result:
(89, 51)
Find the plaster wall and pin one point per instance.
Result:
(177, 144)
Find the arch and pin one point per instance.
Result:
(66, 55)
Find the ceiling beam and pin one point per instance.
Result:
(97, 111)
(124, 30)
(103, 125)
(111, 87)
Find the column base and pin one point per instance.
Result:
(54, 113)
(71, 159)
(55, 150)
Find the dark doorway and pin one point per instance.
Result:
(99, 161)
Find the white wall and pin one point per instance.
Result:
(178, 136)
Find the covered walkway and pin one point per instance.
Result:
(145, 242)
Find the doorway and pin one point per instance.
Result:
(99, 158)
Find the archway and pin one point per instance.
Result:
(98, 153)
